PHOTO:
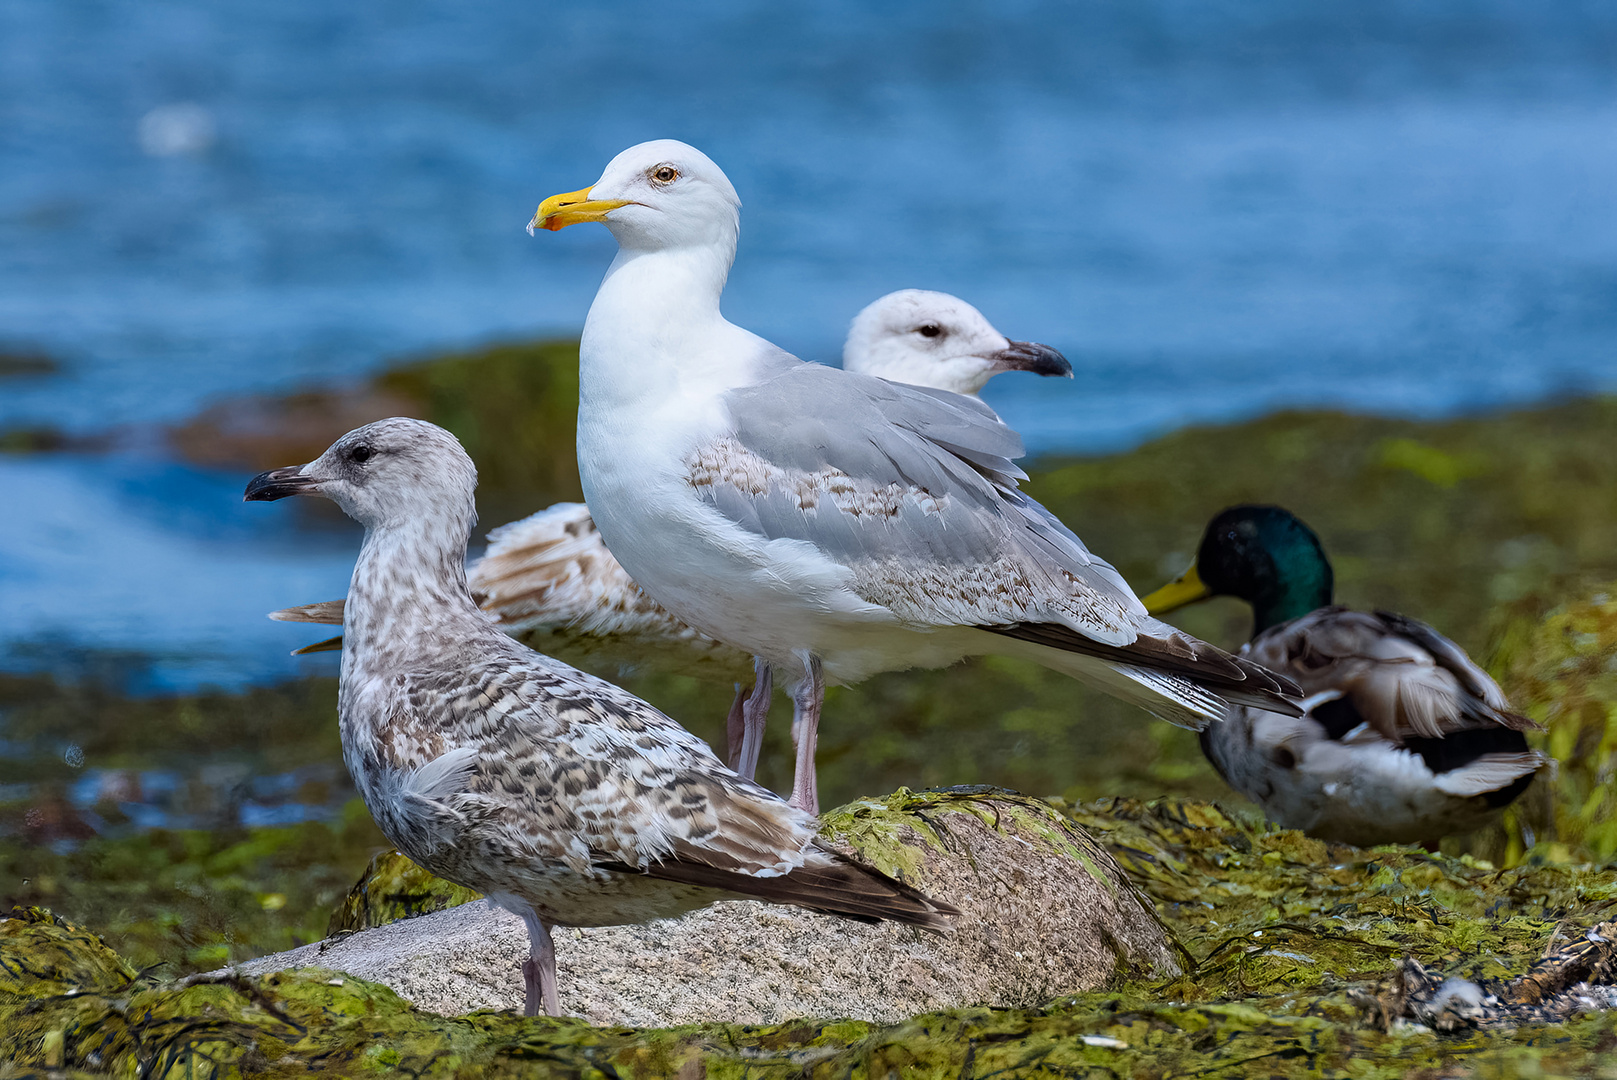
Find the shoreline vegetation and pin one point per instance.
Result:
(1301, 959)
(1500, 530)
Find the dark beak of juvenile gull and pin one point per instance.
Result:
(278, 484)
(1031, 356)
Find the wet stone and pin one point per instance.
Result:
(1046, 911)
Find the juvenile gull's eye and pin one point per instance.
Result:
(361, 454)
(930, 330)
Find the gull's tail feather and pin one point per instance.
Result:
(1167, 697)
(1169, 673)
(328, 645)
(325, 613)
(838, 886)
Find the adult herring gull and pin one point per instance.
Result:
(832, 524)
(565, 799)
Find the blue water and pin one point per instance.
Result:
(1215, 209)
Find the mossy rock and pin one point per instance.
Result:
(392, 888)
(1255, 908)
(317, 1022)
(1267, 912)
(1281, 932)
(1044, 911)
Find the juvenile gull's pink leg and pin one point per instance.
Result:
(539, 970)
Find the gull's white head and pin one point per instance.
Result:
(384, 474)
(937, 340)
(655, 196)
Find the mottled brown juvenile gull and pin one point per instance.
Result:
(833, 524)
(553, 585)
(565, 799)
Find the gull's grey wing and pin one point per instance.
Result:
(915, 491)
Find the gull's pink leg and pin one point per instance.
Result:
(539, 970)
(744, 726)
(807, 697)
(755, 714)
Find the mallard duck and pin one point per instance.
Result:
(1405, 739)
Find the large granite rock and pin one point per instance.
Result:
(1046, 911)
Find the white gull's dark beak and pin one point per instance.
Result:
(1031, 356)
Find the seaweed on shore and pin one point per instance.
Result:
(1292, 941)
(1489, 527)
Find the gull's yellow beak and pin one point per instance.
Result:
(1187, 589)
(560, 211)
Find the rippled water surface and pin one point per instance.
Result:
(1214, 209)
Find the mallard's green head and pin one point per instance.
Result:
(1262, 554)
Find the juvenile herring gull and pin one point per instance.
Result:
(833, 524)
(1404, 738)
(567, 800)
(554, 586)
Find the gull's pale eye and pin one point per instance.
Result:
(929, 330)
(665, 174)
(360, 454)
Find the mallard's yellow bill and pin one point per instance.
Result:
(571, 208)
(1176, 594)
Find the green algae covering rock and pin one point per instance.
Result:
(393, 888)
(1560, 668)
(45, 955)
(1272, 912)
(316, 1022)
(1045, 911)
(1287, 940)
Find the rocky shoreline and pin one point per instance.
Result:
(1296, 958)
(1045, 911)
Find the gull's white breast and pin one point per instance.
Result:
(639, 432)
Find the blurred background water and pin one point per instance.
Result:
(1215, 209)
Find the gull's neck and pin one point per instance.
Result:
(655, 332)
(408, 595)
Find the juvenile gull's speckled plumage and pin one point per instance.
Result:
(564, 798)
(553, 584)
